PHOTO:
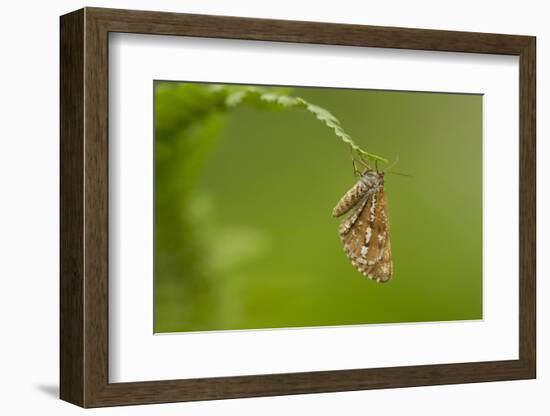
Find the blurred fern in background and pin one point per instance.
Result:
(188, 121)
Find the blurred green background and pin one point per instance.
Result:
(243, 197)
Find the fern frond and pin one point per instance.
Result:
(254, 95)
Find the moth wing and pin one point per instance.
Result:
(347, 224)
(382, 271)
(367, 240)
(351, 199)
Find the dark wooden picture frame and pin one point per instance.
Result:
(84, 207)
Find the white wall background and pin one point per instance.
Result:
(29, 209)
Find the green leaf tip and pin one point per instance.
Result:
(239, 95)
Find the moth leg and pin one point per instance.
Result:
(365, 164)
(356, 171)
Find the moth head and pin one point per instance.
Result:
(372, 178)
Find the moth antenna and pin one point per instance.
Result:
(396, 173)
(393, 164)
(401, 174)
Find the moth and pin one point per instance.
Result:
(365, 231)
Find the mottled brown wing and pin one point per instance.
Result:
(366, 239)
(351, 199)
(352, 217)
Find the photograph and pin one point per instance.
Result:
(281, 206)
(282, 203)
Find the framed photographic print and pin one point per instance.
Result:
(255, 207)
